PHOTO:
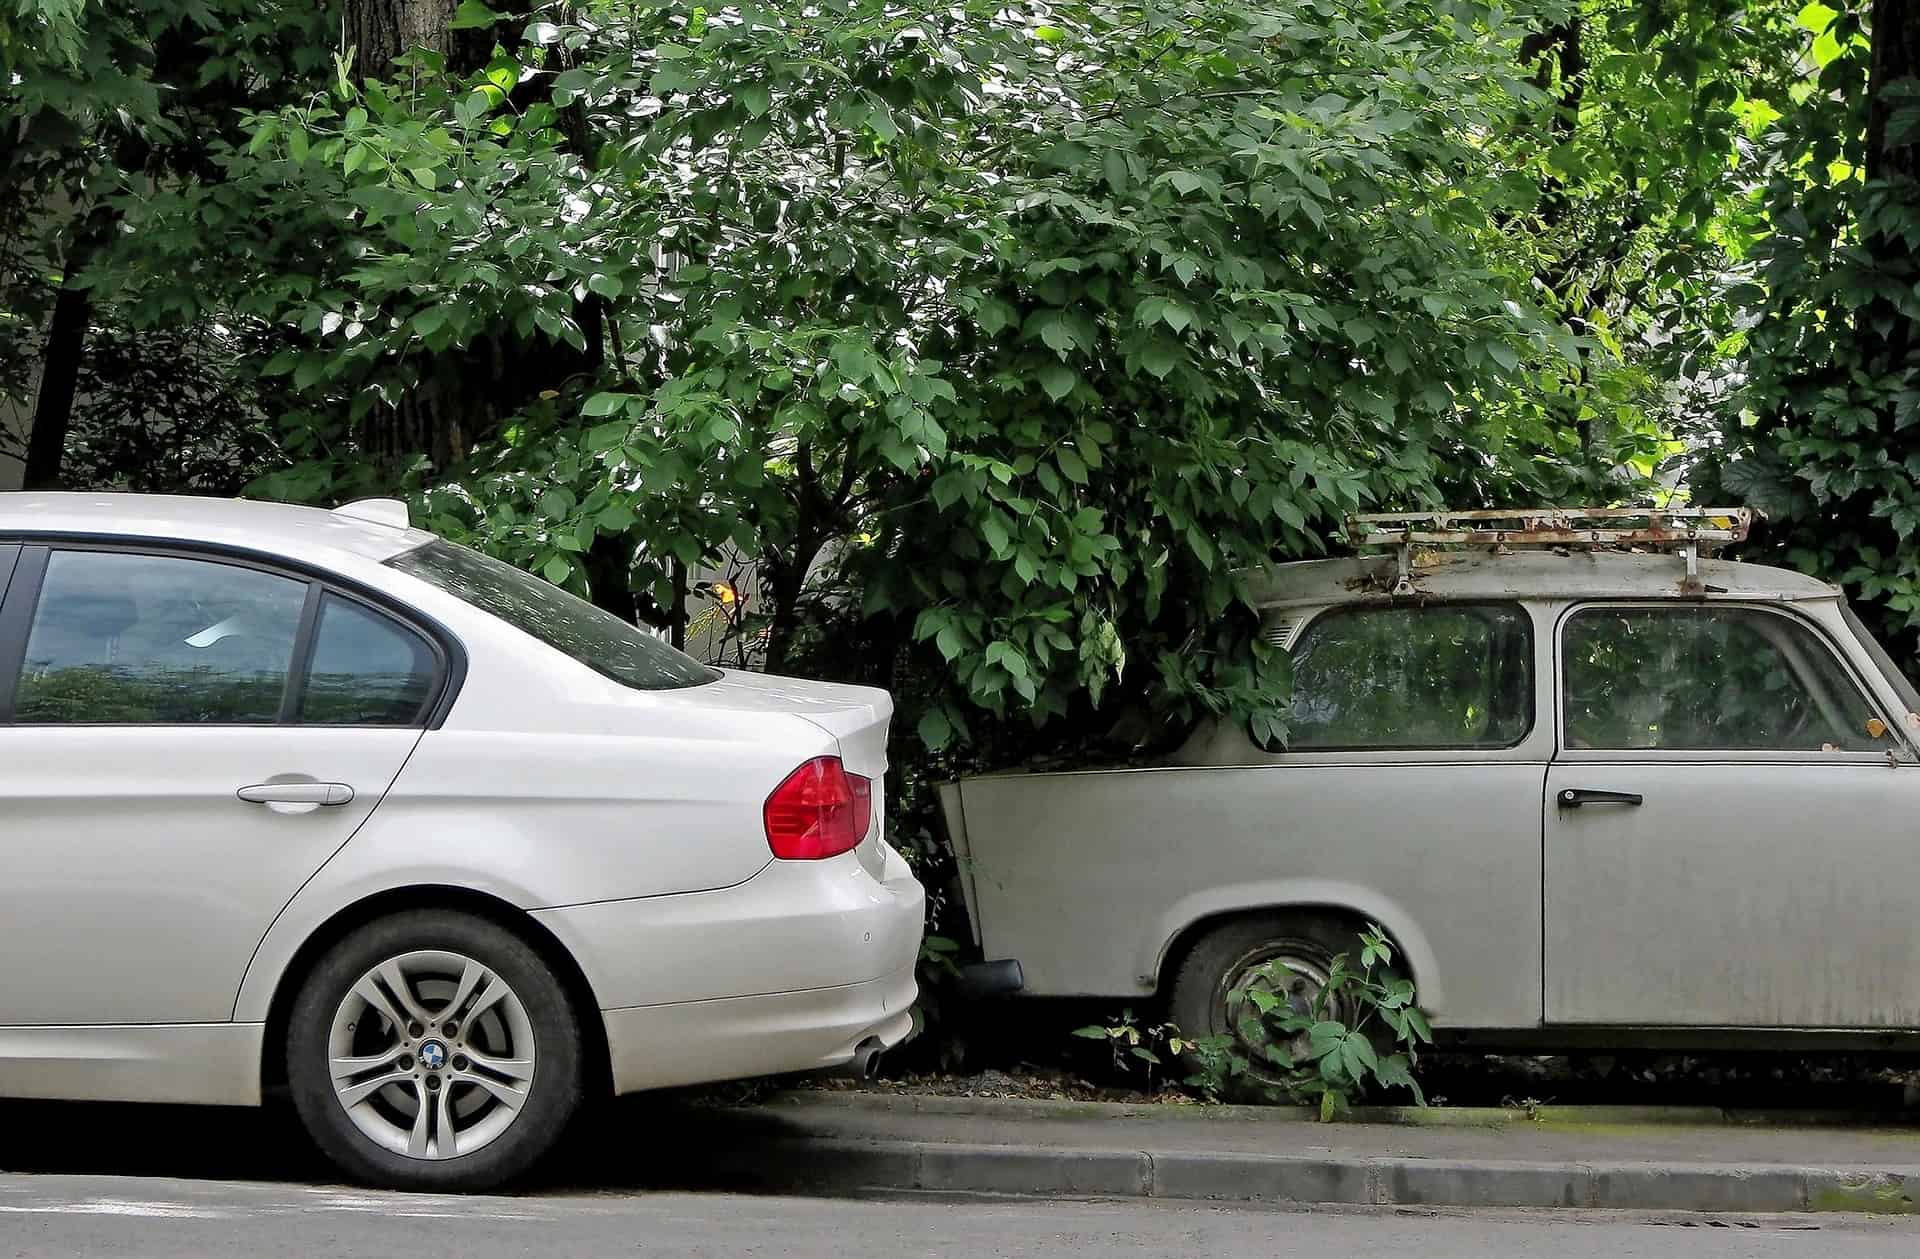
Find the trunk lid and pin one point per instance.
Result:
(856, 716)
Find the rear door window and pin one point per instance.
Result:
(1429, 676)
(157, 639)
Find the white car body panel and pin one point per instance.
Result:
(199, 1064)
(137, 884)
(626, 823)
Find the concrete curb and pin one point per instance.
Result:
(841, 1165)
(1403, 1116)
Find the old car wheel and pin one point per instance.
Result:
(1225, 961)
(434, 1050)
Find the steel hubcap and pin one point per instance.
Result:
(432, 1055)
(1294, 978)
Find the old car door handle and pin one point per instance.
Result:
(1574, 797)
(297, 793)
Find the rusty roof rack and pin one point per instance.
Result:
(1688, 531)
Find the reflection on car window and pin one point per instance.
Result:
(142, 639)
(596, 638)
(1697, 678)
(367, 669)
(1437, 676)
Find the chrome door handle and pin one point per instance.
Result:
(1574, 797)
(297, 793)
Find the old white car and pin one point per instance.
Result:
(291, 797)
(1594, 794)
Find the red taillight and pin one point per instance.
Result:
(819, 811)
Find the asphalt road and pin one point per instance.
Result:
(163, 1219)
(166, 1182)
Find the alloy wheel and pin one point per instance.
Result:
(432, 1055)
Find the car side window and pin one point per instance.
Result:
(1428, 676)
(156, 639)
(367, 670)
(1708, 679)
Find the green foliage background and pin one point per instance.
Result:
(1001, 337)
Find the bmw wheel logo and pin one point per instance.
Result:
(433, 1055)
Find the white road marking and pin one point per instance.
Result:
(109, 1206)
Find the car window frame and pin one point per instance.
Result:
(1430, 751)
(1849, 667)
(20, 601)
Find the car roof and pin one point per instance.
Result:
(1538, 574)
(309, 533)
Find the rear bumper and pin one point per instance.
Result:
(697, 1042)
(785, 972)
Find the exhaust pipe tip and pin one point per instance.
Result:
(865, 1061)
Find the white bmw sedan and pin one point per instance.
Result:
(312, 799)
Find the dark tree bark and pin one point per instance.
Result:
(1557, 53)
(65, 353)
(381, 30)
(1886, 327)
(1896, 57)
(66, 349)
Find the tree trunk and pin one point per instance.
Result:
(1896, 57)
(1885, 327)
(66, 349)
(1557, 54)
(381, 30)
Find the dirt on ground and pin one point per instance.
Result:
(1732, 1081)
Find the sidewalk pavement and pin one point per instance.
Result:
(1596, 1157)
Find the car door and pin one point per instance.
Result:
(1728, 840)
(184, 739)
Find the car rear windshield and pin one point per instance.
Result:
(597, 639)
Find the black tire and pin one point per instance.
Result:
(1197, 1003)
(553, 1096)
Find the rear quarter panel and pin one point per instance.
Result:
(543, 819)
(1087, 878)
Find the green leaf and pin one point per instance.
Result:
(936, 732)
(755, 98)
(604, 403)
(1058, 335)
(557, 569)
(1160, 358)
(1057, 379)
(607, 286)
(472, 15)
(1072, 466)
(604, 437)
(995, 535)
